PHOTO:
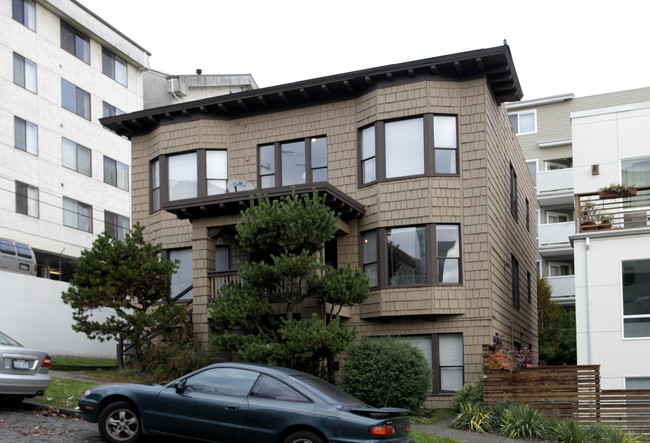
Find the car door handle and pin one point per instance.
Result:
(232, 407)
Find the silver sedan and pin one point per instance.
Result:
(23, 371)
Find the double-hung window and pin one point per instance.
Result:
(114, 67)
(24, 11)
(412, 255)
(424, 145)
(77, 215)
(76, 157)
(75, 42)
(216, 169)
(293, 162)
(26, 199)
(25, 136)
(636, 305)
(154, 183)
(75, 99)
(524, 122)
(117, 225)
(24, 73)
(116, 173)
(444, 352)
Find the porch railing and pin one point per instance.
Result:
(220, 278)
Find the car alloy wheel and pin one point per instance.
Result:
(119, 423)
(303, 437)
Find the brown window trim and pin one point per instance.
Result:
(277, 157)
(380, 150)
(432, 257)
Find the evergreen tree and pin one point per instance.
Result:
(130, 278)
(557, 328)
(284, 239)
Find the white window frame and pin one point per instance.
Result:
(559, 166)
(559, 264)
(519, 114)
(620, 168)
(550, 214)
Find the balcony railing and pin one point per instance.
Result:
(599, 212)
(563, 288)
(555, 234)
(559, 180)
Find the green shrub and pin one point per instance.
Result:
(473, 417)
(174, 357)
(497, 411)
(470, 393)
(387, 372)
(522, 421)
(569, 431)
(614, 434)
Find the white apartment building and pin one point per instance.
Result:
(64, 178)
(544, 130)
(611, 145)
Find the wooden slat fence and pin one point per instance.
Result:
(570, 391)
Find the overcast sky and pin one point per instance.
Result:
(581, 46)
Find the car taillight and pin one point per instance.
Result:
(382, 431)
(46, 362)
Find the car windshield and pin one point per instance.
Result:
(330, 393)
(5, 340)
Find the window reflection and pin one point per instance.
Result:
(407, 256)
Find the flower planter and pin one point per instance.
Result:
(604, 226)
(611, 194)
(588, 226)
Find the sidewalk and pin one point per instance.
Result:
(442, 429)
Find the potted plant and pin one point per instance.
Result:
(616, 191)
(588, 216)
(605, 221)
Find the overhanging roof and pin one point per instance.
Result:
(495, 64)
(235, 202)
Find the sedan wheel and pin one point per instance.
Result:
(303, 437)
(119, 423)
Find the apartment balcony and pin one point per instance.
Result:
(563, 288)
(553, 239)
(614, 213)
(555, 188)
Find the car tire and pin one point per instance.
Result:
(303, 437)
(12, 400)
(119, 422)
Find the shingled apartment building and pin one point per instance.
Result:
(419, 158)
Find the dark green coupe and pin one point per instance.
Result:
(241, 402)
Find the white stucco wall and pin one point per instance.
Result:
(605, 136)
(32, 312)
(619, 357)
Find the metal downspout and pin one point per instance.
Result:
(588, 285)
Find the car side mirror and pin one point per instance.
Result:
(180, 386)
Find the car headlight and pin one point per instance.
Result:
(86, 393)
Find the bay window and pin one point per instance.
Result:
(188, 175)
(293, 162)
(412, 255)
(424, 145)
